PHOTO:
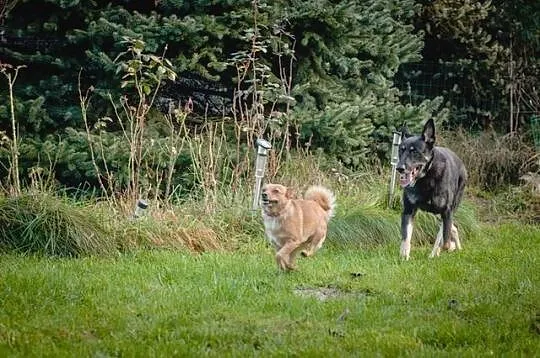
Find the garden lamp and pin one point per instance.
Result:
(394, 158)
(140, 208)
(263, 147)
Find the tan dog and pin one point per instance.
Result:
(296, 224)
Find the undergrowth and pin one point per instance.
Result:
(40, 222)
(493, 161)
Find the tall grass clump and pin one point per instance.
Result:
(366, 227)
(514, 203)
(44, 224)
(370, 225)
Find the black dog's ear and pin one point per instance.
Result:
(428, 134)
(404, 132)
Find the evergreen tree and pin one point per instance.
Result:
(348, 54)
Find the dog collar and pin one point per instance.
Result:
(427, 166)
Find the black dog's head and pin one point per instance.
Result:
(415, 153)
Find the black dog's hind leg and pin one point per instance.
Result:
(454, 241)
(445, 231)
(455, 238)
(407, 219)
(438, 243)
(459, 195)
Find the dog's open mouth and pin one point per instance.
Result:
(408, 177)
(268, 202)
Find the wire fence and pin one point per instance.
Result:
(535, 129)
(420, 81)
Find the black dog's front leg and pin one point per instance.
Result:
(447, 223)
(407, 219)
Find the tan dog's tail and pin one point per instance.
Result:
(324, 197)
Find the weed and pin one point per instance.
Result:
(11, 73)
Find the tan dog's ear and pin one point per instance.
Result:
(290, 193)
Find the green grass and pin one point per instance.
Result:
(481, 301)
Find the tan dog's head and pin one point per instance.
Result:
(275, 198)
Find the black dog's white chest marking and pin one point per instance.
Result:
(412, 197)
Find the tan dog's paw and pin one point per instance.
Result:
(307, 253)
(283, 263)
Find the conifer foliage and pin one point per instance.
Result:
(328, 67)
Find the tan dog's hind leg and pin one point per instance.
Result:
(285, 256)
(315, 244)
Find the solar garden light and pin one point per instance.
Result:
(263, 147)
(394, 158)
(140, 208)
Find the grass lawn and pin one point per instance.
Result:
(482, 301)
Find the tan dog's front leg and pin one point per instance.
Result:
(284, 258)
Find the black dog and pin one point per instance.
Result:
(433, 179)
